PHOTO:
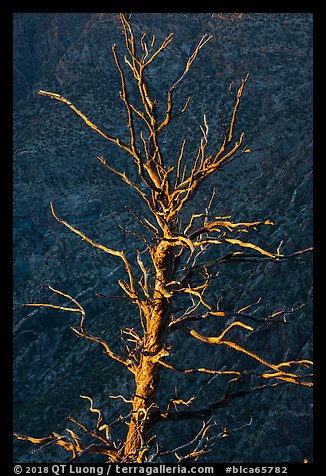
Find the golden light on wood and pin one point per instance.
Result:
(174, 269)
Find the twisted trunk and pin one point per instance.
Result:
(148, 372)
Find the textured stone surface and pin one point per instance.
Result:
(55, 159)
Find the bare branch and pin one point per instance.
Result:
(165, 43)
(120, 254)
(216, 225)
(186, 317)
(201, 442)
(202, 42)
(59, 440)
(241, 257)
(80, 331)
(210, 409)
(92, 433)
(200, 369)
(236, 107)
(124, 97)
(144, 221)
(87, 121)
(280, 374)
(94, 410)
(124, 177)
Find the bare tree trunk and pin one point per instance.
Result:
(147, 375)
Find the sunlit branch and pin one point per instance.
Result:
(92, 433)
(79, 308)
(175, 402)
(228, 137)
(241, 257)
(120, 254)
(94, 410)
(242, 244)
(80, 331)
(195, 293)
(165, 43)
(145, 276)
(190, 185)
(78, 444)
(199, 369)
(191, 222)
(124, 97)
(217, 163)
(36, 440)
(211, 408)
(122, 398)
(124, 177)
(183, 110)
(144, 118)
(175, 324)
(180, 241)
(202, 42)
(178, 175)
(203, 446)
(151, 184)
(290, 377)
(210, 164)
(236, 107)
(248, 306)
(190, 60)
(130, 43)
(87, 121)
(68, 444)
(209, 207)
(144, 47)
(232, 227)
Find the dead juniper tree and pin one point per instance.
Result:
(172, 270)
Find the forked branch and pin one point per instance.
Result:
(278, 372)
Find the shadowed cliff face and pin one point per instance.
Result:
(55, 159)
(40, 40)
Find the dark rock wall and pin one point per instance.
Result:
(55, 159)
